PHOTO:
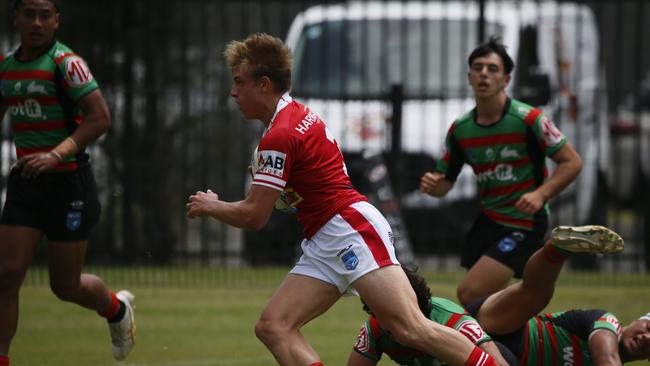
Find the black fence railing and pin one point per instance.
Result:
(175, 130)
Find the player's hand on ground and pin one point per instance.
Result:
(530, 202)
(199, 203)
(429, 181)
(34, 164)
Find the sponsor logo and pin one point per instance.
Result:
(507, 244)
(34, 88)
(502, 172)
(17, 87)
(29, 107)
(362, 344)
(551, 134)
(567, 356)
(509, 153)
(77, 74)
(77, 205)
(73, 220)
(271, 162)
(471, 330)
(349, 258)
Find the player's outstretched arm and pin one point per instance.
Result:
(252, 213)
(603, 347)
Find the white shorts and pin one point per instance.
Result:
(354, 242)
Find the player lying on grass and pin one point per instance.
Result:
(579, 337)
(587, 337)
(373, 340)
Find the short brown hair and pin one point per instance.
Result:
(266, 55)
(493, 46)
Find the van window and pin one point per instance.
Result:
(348, 59)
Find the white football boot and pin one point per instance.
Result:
(587, 239)
(123, 332)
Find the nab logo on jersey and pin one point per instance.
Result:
(471, 330)
(272, 162)
(77, 73)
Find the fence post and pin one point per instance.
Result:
(646, 231)
(481, 21)
(397, 99)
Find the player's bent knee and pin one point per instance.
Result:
(269, 331)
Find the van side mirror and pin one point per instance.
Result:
(534, 90)
(532, 85)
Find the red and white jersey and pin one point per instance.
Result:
(299, 157)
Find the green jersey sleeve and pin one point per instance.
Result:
(548, 136)
(78, 81)
(609, 322)
(452, 159)
(452, 315)
(368, 340)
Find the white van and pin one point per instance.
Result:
(347, 57)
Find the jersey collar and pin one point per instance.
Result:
(283, 102)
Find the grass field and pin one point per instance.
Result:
(212, 324)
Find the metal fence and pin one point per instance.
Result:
(175, 130)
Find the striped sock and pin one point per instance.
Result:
(115, 309)
(4, 360)
(554, 254)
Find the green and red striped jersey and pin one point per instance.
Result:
(563, 338)
(42, 96)
(508, 158)
(373, 341)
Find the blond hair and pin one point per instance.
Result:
(265, 55)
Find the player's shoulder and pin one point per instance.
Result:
(466, 117)
(523, 111)
(60, 52)
(6, 56)
(296, 120)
